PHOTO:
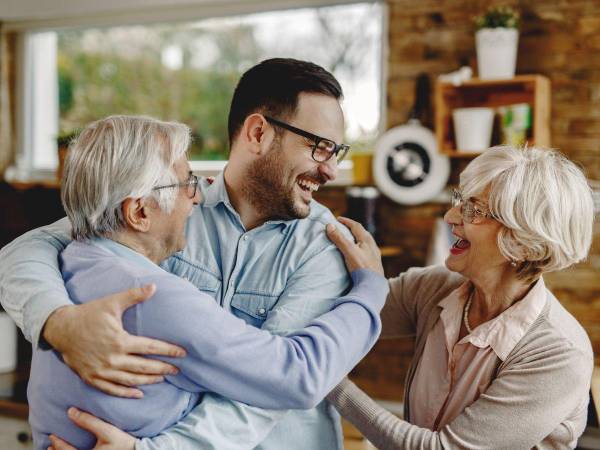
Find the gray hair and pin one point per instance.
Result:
(542, 199)
(116, 158)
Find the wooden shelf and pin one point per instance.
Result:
(389, 251)
(531, 89)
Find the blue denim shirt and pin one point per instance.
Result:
(277, 276)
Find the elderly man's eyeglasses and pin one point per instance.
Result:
(471, 213)
(322, 149)
(191, 185)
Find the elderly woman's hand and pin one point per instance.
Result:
(364, 254)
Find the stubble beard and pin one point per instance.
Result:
(268, 187)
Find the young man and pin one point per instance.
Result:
(255, 244)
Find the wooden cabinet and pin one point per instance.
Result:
(531, 89)
(15, 434)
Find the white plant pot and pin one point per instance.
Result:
(8, 344)
(496, 52)
(473, 128)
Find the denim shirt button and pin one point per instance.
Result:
(262, 311)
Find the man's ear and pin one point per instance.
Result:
(137, 212)
(256, 134)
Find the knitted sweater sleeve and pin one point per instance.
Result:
(523, 405)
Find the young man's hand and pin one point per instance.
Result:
(92, 342)
(108, 437)
(362, 254)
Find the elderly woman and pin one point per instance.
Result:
(498, 363)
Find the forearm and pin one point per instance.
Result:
(256, 367)
(31, 286)
(382, 428)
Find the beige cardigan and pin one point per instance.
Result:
(538, 398)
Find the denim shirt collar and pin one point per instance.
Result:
(123, 251)
(216, 193)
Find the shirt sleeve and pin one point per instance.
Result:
(219, 422)
(521, 407)
(31, 286)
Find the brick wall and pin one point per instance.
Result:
(559, 39)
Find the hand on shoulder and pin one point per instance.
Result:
(361, 254)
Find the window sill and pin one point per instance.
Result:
(21, 179)
(28, 179)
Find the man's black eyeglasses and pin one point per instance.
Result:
(322, 149)
(191, 185)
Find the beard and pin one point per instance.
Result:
(269, 187)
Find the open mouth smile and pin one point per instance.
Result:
(307, 185)
(460, 246)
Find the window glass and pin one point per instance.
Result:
(187, 71)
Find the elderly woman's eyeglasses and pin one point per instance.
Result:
(322, 149)
(191, 185)
(470, 212)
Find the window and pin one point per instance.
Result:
(187, 71)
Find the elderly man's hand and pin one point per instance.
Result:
(364, 254)
(92, 342)
(108, 437)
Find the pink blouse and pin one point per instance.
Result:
(452, 375)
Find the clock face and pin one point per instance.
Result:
(408, 164)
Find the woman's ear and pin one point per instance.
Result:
(256, 134)
(137, 213)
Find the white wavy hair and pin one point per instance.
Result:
(543, 200)
(116, 158)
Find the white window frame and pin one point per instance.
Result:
(27, 87)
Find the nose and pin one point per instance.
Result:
(329, 169)
(453, 216)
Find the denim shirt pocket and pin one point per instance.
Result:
(204, 280)
(253, 308)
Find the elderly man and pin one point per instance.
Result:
(255, 244)
(122, 230)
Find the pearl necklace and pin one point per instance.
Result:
(466, 314)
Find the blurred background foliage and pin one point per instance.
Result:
(187, 72)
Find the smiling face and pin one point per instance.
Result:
(475, 251)
(280, 185)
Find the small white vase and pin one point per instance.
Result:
(473, 128)
(496, 52)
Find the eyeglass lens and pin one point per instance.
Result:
(323, 150)
(466, 207)
(192, 185)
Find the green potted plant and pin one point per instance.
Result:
(496, 41)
